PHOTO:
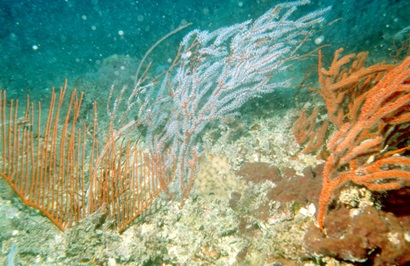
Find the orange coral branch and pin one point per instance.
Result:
(340, 86)
(46, 165)
(367, 148)
(308, 133)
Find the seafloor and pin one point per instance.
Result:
(254, 203)
(230, 219)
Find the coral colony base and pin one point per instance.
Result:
(177, 173)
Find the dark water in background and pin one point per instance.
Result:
(42, 42)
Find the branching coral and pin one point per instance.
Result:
(371, 109)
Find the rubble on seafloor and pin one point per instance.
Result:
(255, 204)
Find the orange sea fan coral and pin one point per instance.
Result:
(371, 108)
(53, 166)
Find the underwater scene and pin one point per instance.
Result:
(219, 132)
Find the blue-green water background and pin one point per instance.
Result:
(43, 42)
